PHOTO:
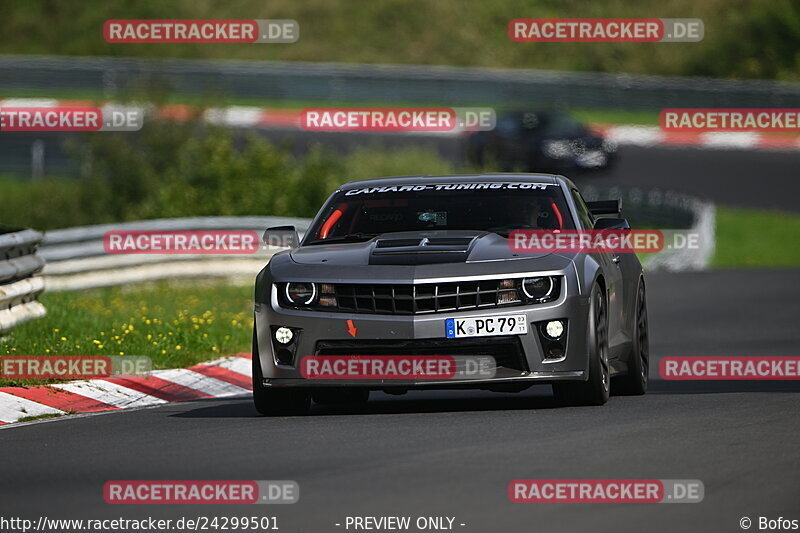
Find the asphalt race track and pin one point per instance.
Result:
(741, 178)
(453, 454)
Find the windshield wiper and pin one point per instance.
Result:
(350, 237)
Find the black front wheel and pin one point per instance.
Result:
(634, 383)
(595, 390)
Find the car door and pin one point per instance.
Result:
(615, 290)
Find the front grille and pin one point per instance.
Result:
(506, 350)
(406, 299)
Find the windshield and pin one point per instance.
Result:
(361, 214)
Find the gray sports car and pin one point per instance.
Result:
(422, 268)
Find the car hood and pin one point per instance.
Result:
(412, 248)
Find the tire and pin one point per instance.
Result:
(634, 383)
(276, 402)
(595, 390)
(344, 396)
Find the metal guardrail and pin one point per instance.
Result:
(342, 82)
(19, 284)
(658, 209)
(76, 258)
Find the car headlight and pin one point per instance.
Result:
(307, 294)
(540, 289)
(554, 329)
(300, 293)
(284, 335)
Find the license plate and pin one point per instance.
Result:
(485, 326)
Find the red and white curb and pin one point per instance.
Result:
(229, 376)
(623, 135)
(647, 136)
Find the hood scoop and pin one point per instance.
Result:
(421, 250)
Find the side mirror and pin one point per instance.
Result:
(611, 223)
(281, 237)
(605, 207)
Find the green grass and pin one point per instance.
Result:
(40, 417)
(176, 325)
(743, 39)
(616, 116)
(753, 238)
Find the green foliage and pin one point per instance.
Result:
(172, 169)
(743, 38)
(41, 204)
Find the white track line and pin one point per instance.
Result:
(205, 384)
(110, 393)
(240, 365)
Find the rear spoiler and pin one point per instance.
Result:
(605, 207)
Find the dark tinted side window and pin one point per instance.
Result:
(586, 218)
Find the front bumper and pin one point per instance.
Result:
(323, 333)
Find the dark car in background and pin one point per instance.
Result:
(540, 141)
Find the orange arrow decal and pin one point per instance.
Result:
(351, 328)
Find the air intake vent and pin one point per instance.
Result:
(450, 241)
(397, 243)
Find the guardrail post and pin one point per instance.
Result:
(37, 159)
(20, 285)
